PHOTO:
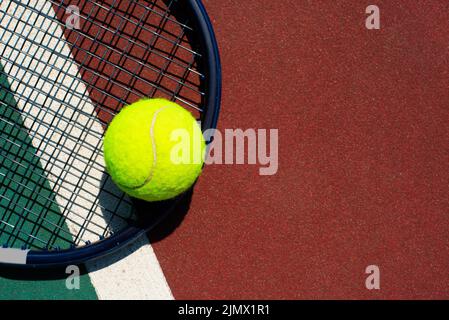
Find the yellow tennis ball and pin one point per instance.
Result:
(154, 149)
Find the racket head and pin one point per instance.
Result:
(60, 86)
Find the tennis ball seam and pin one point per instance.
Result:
(153, 143)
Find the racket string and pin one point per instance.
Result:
(95, 73)
(47, 156)
(51, 165)
(187, 67)
(47, 204)
(53, 202)
(148, 47)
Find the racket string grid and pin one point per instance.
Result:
(59, 88)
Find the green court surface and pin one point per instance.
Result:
(32, 289)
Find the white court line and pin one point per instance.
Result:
(136, 276)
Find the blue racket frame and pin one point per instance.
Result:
(77, 255)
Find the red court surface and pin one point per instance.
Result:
(363, 156)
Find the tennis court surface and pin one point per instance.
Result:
(363, 157)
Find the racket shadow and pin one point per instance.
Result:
(161, 218)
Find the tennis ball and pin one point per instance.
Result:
(154, 149)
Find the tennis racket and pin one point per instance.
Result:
(66, 68)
